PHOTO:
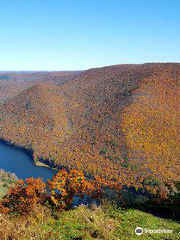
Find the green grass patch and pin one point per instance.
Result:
(110, 224)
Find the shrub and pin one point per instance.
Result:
(58, 192)
(24, 196)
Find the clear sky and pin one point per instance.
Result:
(80, 34)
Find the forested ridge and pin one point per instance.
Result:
(118, 124)
(12, 83)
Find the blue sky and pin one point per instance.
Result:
(81, 34)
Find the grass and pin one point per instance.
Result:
(104, 222)
(84, 223)
(6, 181)
(132, 218)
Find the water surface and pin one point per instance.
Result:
(16, 161)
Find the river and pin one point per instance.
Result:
(16, 161)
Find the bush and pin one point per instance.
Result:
(58, 192)
(24, 196)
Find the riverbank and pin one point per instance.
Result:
(18, 160)
(29, 152)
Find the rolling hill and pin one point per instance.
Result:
(119, 123)
(12, 83)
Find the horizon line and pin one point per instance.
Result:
(51, 70)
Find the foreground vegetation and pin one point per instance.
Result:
(82, 223)
(34, 210)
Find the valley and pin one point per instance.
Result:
(107, 122)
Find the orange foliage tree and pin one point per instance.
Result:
(64, 186)
(24, 196)
(59, 192)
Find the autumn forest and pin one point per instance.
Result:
(118, 124)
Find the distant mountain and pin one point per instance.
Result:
(120, 123)
(12, 83)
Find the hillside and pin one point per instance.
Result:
(12, 83)
(103, 222)
(109, 122)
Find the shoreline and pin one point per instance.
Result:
(29, 152)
